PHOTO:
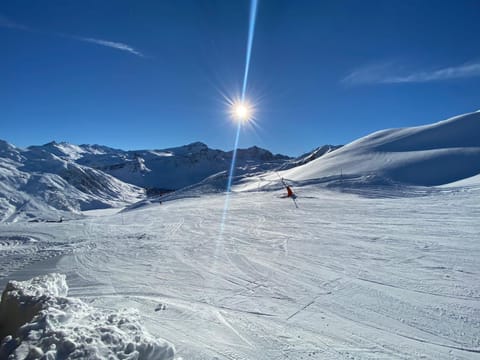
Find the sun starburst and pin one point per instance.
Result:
(241, 111)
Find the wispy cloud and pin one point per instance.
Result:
(391, 73)
(8, 23)
(110, 44)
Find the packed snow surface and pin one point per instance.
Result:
(380, 273)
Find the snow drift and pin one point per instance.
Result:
(39, 321)
(427, 155)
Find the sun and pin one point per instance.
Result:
(241, 111)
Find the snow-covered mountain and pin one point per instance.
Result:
(65, 177)
(173, 168)
(310, 156)
(36, 180)
(428, 155)
(165, 169)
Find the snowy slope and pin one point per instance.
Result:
(473, 181)
(16, 204)
(428, 155)
(36, 183)
(342, 277)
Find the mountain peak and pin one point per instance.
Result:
(6, 145)
(198, 145)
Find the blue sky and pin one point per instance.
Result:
(152, 74)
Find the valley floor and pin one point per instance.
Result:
(345, 276)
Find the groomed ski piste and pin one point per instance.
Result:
(380, 261)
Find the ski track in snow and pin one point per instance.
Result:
(24, 244)
(342, 277)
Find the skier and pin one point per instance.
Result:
(289, 191)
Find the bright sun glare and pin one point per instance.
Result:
(242, 111)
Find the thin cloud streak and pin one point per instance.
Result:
(110, 44)
(7, 23)
(389, 73)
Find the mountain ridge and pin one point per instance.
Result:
(59, 179)
(62, 177)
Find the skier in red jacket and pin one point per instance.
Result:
(289, 191)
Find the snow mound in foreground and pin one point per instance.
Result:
(39, 321)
